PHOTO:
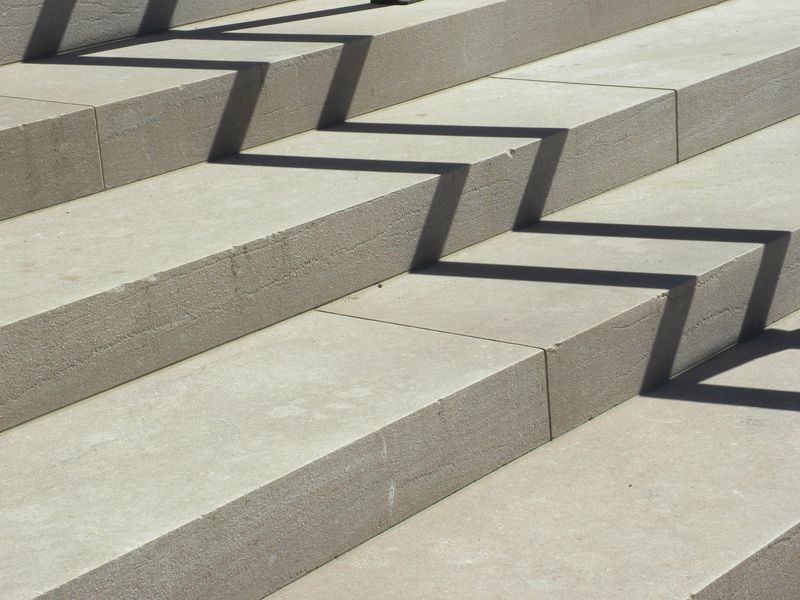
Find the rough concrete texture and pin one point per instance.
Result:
(174, 99)
(735, 66)
(631, 286)
(236, 471)
(654, 500)
(48, 155)
(30, 28)
(151, 273)
(772, 573)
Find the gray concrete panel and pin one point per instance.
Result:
(735, 66)
(631, 286)
(174, 99)
(48, 153)
(31, 28)
(229, 475)
(151, 273)
(688, 492)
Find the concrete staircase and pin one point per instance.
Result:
(218, 372)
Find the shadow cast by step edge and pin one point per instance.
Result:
(692, 387)
(47, 33)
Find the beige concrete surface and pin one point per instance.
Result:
(239, 469)
(115, 285)
(174, 99)
(735, 66)
(48, 154)
(633, 285)
(31, 28)
(665, 496)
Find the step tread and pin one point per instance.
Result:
(113, 286)
(679, 52)
(605, 265)
(39, 27)
(97, 243)
(654, 500)
(163, 61)
(173, 99)
(92, 482)
(735, 66)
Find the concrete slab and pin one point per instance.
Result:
(688, 492)
(230, 474)
(48, 153)
(631, 286)
(33, 28)
(118, 284)
(211, 89)
(735, 66)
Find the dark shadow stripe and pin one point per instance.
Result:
(557, 275)
(447, 130)
(658, 232)
(729, 395)
(50, 27)
(341, 164)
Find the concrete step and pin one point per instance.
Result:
(174, 99)
(107, 288)
(630, 287)
(232, 473)
(49, 154)
(38, 27)
(688, 492)
(735, 68)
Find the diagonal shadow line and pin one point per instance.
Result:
(729, 395)
(542, 177)
(50, 27)
(157, 15)
(248, 84)
(238, 113)
(444, 204)
(602, 277)
(765, 286)
(666, 344)
(54, 17)
(771, 341)
(660, 232)
(446, 130)
(665, 348)
(307, 16)
(344, 83)
(667, 340)
(341, 164)
(439, 219)
(87, 57)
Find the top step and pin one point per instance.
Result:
(165, 101)
(39, 27)
(36, 28)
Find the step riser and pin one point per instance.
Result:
(713, 453)
(48, 26)
(70, 168)
(635, 317)
(67, 354)
(771, 573)
(160, 132)
(272, 536)
(644, 347)
(748, 79)
(744, 101)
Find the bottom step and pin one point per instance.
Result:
(232, 473)
(692, 491)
